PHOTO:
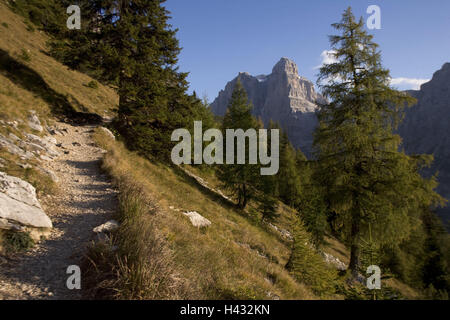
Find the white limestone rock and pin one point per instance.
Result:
(107, 227)
(34, 122)
(197, 220)
(19, 204)
(9, 145)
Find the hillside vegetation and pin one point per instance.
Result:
(32, 80)
(157, 253)
(235, 258)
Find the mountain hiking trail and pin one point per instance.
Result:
(85, 199)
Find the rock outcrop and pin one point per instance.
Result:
(332, 260)
(426, 129)
(9, 145)
(30, 147)
(197, 219)
(283, 96)
(19, 206)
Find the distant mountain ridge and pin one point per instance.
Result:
(426, 129)
(289, 99)
(282, 96)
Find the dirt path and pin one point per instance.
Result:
(86, 200)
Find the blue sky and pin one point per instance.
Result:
(220, 38)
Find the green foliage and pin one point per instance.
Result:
(423, 260)
(241, 179)
(288, 176)
(25, 56)
(92, 84)
(436, 267)
(367, 180)
(17, 241)
(5, 24)
(361, 292)
(132, 46)
(48, 15)
(433, 294)
(306, 264)
(268, 204)
(311, 203)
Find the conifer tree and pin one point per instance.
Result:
(310, 202)
(240, 179)
(368, 180)
(130, 44)
(288, 177)
(268, 203)
(47, 15)
(306, 264)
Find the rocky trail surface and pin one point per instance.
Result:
(85, 199)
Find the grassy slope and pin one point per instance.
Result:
(234, 258)
(20, 94)
(36, 84)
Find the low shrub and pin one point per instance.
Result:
(14, 242)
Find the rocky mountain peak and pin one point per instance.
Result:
(282, 96)
(440, 77)
(285, 65)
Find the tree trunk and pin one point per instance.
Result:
(244, 196)
(355, 262)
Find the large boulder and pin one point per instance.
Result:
(19, 206)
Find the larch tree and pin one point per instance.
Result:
(240, 179)
(131, 45)
(369, 181)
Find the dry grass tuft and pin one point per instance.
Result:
(137, 263)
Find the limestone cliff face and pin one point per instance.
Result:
(283, 96)
(426, 128)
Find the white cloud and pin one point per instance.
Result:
(327, 57)
(408, 83)
(401, 83)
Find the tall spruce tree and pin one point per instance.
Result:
(130, 44)
(240, 179)
(368, 180)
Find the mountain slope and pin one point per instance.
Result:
(31, 79)
(234, 259)
(237, 257)
(426, 129)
